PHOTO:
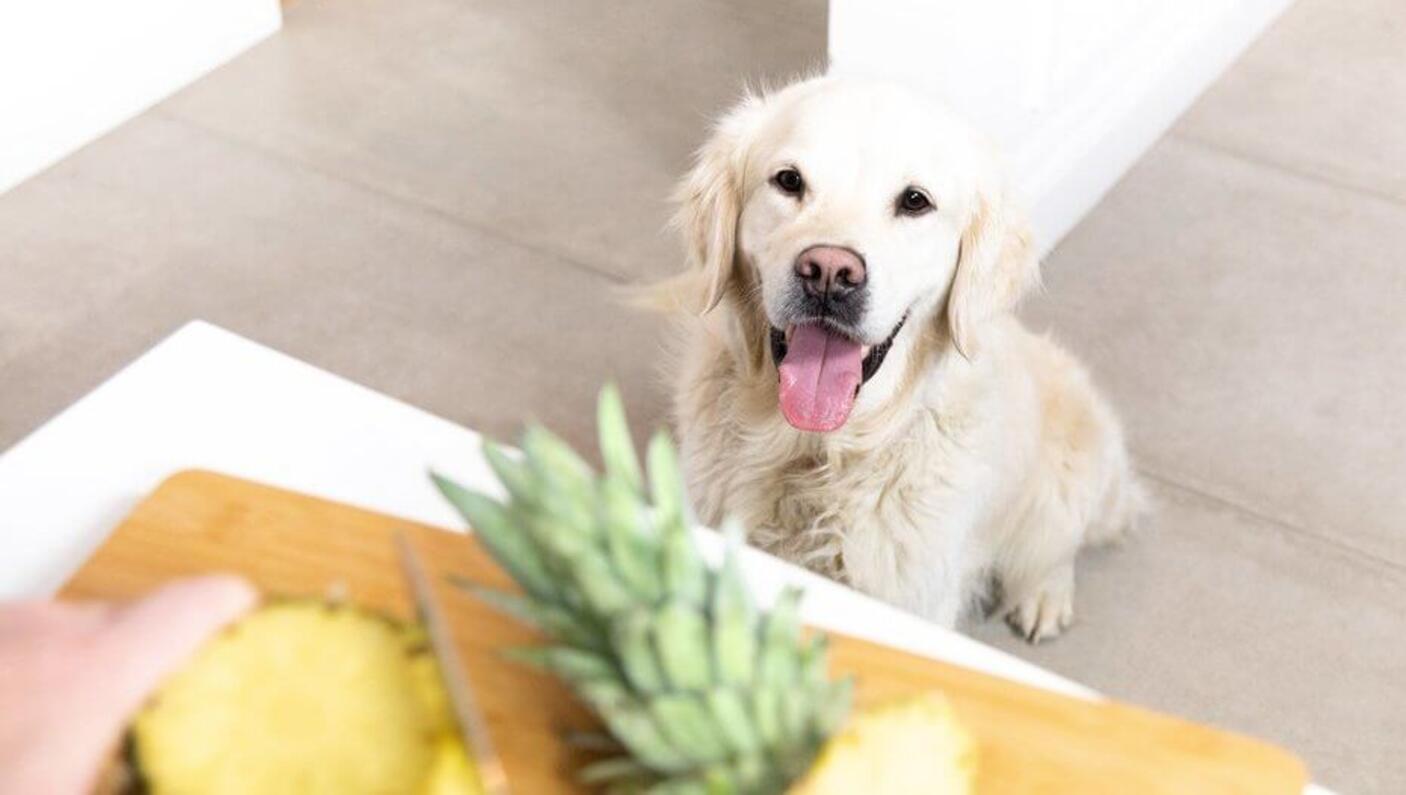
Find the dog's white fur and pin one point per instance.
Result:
(978, 449)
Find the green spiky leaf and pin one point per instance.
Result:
(704, 691)
(616, 447)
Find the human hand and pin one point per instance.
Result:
(73, 674)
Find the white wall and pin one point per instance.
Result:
(1074, 91)
(70, 70)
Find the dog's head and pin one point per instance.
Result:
(842, 220)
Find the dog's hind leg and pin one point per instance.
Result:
(1082, 491)
(1124, 504)
(1080, 463)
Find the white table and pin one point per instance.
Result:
(207, 398)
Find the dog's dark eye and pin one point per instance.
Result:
(913, 202)
(789, 181)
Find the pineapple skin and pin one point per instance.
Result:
(304, 697)
(908, 746)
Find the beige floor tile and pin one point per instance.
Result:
(558, 125)
(1248, 325)
(160, 223)
(1323, 92)
(1240, 623)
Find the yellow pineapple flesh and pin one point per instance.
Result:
(913, 745)
(304, 697)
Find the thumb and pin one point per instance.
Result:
(149, 639)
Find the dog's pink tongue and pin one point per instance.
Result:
(819, 377)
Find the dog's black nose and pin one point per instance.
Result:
(830, 272)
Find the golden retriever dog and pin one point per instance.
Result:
(853, 387)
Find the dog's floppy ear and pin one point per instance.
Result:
(996, 265)
(710, 201)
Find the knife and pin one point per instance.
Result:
(472, 727)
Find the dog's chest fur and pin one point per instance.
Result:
(878, 509)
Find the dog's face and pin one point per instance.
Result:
(849, 215)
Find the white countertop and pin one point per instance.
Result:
(206, 398)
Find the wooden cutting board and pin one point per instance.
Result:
(1031, 741)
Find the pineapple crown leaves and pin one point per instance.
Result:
(705, 691)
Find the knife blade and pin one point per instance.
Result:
(472, 727)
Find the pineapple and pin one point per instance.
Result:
(304, 697)
(702, 691)
(914, 745)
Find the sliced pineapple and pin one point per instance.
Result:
(309, 698)
(914, 745)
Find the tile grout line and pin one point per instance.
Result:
(1283, 525)
(1293, 171)
(378, 192)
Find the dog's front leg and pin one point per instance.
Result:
(922, 572)
(1042, 610)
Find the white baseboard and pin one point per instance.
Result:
(71, 70)
(1074, 92)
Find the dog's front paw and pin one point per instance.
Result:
(1048, 611)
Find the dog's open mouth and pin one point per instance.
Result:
(821, 369)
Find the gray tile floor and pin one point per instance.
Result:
(437, 198)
